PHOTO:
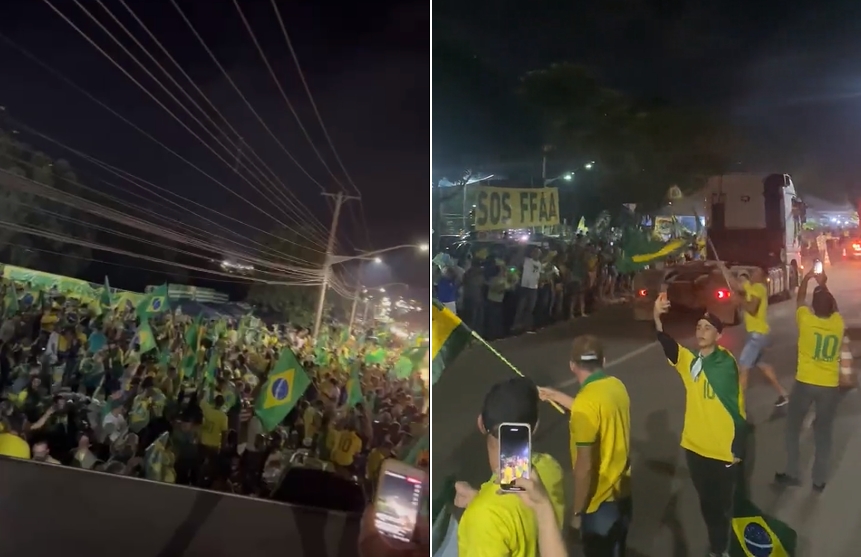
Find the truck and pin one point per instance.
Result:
(752, 220)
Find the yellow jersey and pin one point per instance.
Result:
(495, 525)
(758, 322)
(347, 446)
(14, 446)
(709, 428)
(819, 345)
(601, 416)
(213, 427)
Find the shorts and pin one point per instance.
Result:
(753, 349)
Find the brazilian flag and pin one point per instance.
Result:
(638, 250)
(146, 340)
(449, 336)
(759, 535)
(354, 386)
(287, 382)
(155, 303)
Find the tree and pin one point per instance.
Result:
(640, 149)
(289, 247)
(26, 209)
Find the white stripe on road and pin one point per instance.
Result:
(632, 354)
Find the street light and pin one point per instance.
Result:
(567, 176)
(589, 165)
(334, 259)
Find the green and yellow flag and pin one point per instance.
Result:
(282, 390)
(757, 534)
(354, 386)
(449, 336)
(146, 340)
(105, 296)
(155, 303)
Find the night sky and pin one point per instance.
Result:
(788, 74)
(367, 66)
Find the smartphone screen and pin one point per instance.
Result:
(398, 504)
(817, 268)
(515, 454)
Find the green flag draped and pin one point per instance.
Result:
(146, 340)
(639, 250)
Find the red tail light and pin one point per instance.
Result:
(722, 294)
(642, 293)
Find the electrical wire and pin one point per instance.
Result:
(292, 110)
(135, 267)
(181, 105)
(161, 104)
(241, 95)
(310, 96)
(91, 226)
(116, 172)
(29, 186)
(134, 180)
(361, 221)
(134, 126)
(296, 207)
(92, 245)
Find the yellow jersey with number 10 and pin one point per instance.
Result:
(819, 344)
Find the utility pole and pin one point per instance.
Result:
(340, 198)
(355, 305)
(365, 311)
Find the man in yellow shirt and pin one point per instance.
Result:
(215, 425)
(755, 307)
(502, 525)
(817, 380)
(347, 445)
(12, 442)
(714, 434)
(600, 450)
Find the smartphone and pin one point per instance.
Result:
(515, 454)
(817, 267)
(398, 501)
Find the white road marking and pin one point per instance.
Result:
(632, 354)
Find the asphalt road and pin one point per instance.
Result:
(667, 522)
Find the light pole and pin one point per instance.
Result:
(327, 265)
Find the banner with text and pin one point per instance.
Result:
(499, 208)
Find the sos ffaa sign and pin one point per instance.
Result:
(499, 208)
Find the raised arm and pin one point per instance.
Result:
(670, 346)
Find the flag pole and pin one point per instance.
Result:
(509, 364)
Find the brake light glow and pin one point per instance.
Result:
(856, 246)
(642, 293)
(722, 294)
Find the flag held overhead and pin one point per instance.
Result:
(449, 336)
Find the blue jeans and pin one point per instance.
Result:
(753, 349)
(605, 531)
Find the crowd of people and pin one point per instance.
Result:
(715, 437)
(148, 392)
(525, 287)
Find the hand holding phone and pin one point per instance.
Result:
(398, 500)
(515, 455)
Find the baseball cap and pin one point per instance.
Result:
(713, 321)
(512, 401)
(587, 349)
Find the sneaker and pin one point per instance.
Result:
(819, 488)
(786, 480)
(782, 400)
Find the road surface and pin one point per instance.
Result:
(667, 522)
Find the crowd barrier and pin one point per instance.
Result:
(52, 510)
